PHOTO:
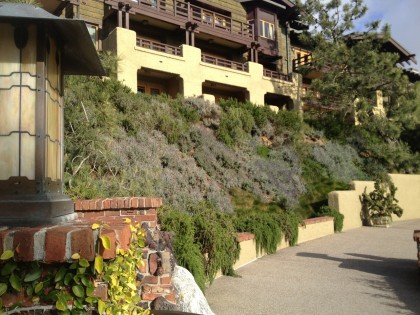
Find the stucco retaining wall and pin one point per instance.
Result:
(312, 229)
(348, 202)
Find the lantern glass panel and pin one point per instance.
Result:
(53, 113)
(17, 105)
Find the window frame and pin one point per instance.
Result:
(266, 30)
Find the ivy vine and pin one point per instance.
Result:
(70, 287)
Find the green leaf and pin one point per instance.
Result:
(99, 264)
(29, 290)
(85, 281)
(32, 275)
(39, 287)
(78, 290)
(68, 278)
(60, 305)
(89, 291)
(101, 307)
(106, 242)
(60, 274)
(15, 281)
(78, 304)
(7, 255)
(83, 263)
(8, 268)
(3, 288)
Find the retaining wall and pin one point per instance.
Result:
(348, 202)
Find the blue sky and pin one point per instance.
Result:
(404, 18)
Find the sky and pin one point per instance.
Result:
(404, 18)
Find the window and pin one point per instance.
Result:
(154, 91)
(266, 29)
(93, 32)
(207, 17)
(141, 89)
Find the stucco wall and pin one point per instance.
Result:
(348, 202)
(312, 229)
(192, 70)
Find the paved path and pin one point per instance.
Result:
(363, 271)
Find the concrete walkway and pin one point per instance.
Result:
(362, 271)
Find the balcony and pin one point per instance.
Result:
(224, 63)
(180, 13)
(303, 61)
(167, 49)
(276, 75)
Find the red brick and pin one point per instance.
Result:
(146, 289)
(144, 218)
(93, 215)
(114, 203)
(85, 204)
(149, 296)
(162, 289)
(78, 205)
(120, 202)
(92, 205)
(143, 267)
(13, 298)
(170, 297)
(55, 244)
(165, 280)
(134, 202)
(128, 212)
(106, 204)
(150, 280)
(123, 235)
(23, 243)
(82, 243)
(101, 290)
(151, 211)
(141, 202)
(148, 203)
(127, 203)
(153, 263)
(108, 253)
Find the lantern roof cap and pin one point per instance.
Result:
(79, 56)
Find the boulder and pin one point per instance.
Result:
(189, 296)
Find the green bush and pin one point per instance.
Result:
(187, 251)
(326, 211)
(205, 240)
(264, 226)
(235, 125)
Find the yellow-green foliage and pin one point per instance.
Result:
(73, 283)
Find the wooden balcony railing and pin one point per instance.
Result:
(276, 75)
(172, 50)
(302, 61)
(192, 13)
(224, 63)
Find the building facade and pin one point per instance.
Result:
(215, 49)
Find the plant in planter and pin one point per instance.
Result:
(380, 204)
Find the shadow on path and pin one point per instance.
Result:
(400, 276)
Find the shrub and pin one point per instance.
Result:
(208, 229)
(341, 161)
(187, 251)
(264, 226)
(330, 212)
(235, 125)
(380, 202)
(289, 222)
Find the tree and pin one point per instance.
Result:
(353, 67)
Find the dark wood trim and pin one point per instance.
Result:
(40, 108)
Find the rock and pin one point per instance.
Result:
(161, 304)
(188, 295)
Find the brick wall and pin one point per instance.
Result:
(56, 243)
